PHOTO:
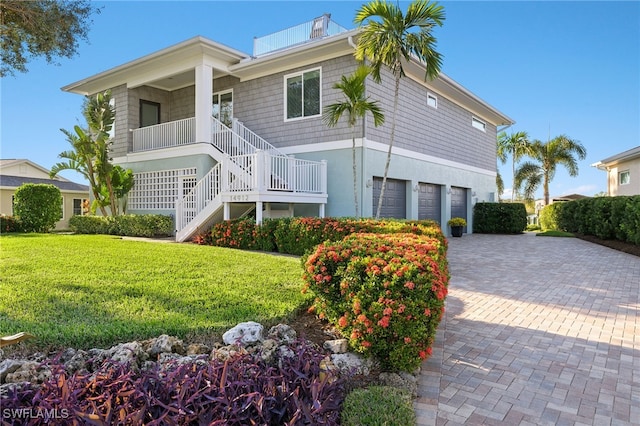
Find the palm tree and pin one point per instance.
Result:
(356, 106)
(516, 145)
(90, 154)
(388, 38)
(559, 150)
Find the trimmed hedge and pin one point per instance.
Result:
(38, 206)
(604, 217)
(147, 225)
(301, 234)
(549, 217)
(385, 292)
(499, 218)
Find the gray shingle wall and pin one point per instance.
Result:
(122, 136)
(443, 132)
(259, 104)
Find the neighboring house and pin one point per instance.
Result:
(623, 172)
(218, 133)
(14, 173)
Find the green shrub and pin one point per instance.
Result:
(90, 224)
(630, 223)
(300, 235)
(385, 292)
(147, 225)
(605, 217)
(549, 216)
(38, 206)
(499, 218)
(533, 227)
(378, 406)
(9, 224)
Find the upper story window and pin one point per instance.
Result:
(302, 94)
(478, 124)
(149, 113)
(624, 178)
(432, 100)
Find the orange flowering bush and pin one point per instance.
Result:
(385, 292)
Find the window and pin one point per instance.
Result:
(223, 107)
(432, 100)
(478, 124)
(79, 206)
(624, 178)
(149, 113)
(302, 94)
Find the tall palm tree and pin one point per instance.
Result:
(356, 105)
(388, 38)
(515, 145)
(90, 154)
(546, 157)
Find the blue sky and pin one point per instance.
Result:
(554, 67)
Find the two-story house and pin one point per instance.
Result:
(213, 133)
(623, 172)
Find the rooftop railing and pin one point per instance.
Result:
(318, 28)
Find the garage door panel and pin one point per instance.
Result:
(459, 203)
(429, 201)
(394, 203)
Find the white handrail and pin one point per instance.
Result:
(164, 135)
(206, 190)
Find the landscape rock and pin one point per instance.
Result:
(282, 333)
(337, 346)
(198, 349)
(401, 380)
(9, 366)
(165, 344)
(245, 334)
(350, 363)
(223, 353)
(29, 371)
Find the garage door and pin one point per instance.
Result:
(459, 203)
(394, 203)
(429, 202)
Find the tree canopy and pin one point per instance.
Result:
(49, 28)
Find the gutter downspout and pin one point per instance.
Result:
(362, 150)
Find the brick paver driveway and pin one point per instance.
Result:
(537, 331)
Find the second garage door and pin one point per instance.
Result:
(394, 203)
(459, 203)
(429, 202)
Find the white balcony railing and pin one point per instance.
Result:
(165, 135)
(320, 27)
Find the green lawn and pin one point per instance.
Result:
(551, 233)
(86, 290)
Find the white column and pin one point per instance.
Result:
(321, 210)
(226, 210)
(259, 212)
(204, 108)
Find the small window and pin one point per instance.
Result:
(624, 178)
(302, 94)
(79, 206)
(149, 113)
(478, 124)
(432, 100)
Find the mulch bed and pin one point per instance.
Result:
(614, 244)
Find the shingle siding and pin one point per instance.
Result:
(444, 132)
(259, 104)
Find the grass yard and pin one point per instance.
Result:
(552, 233)
(88, 291)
